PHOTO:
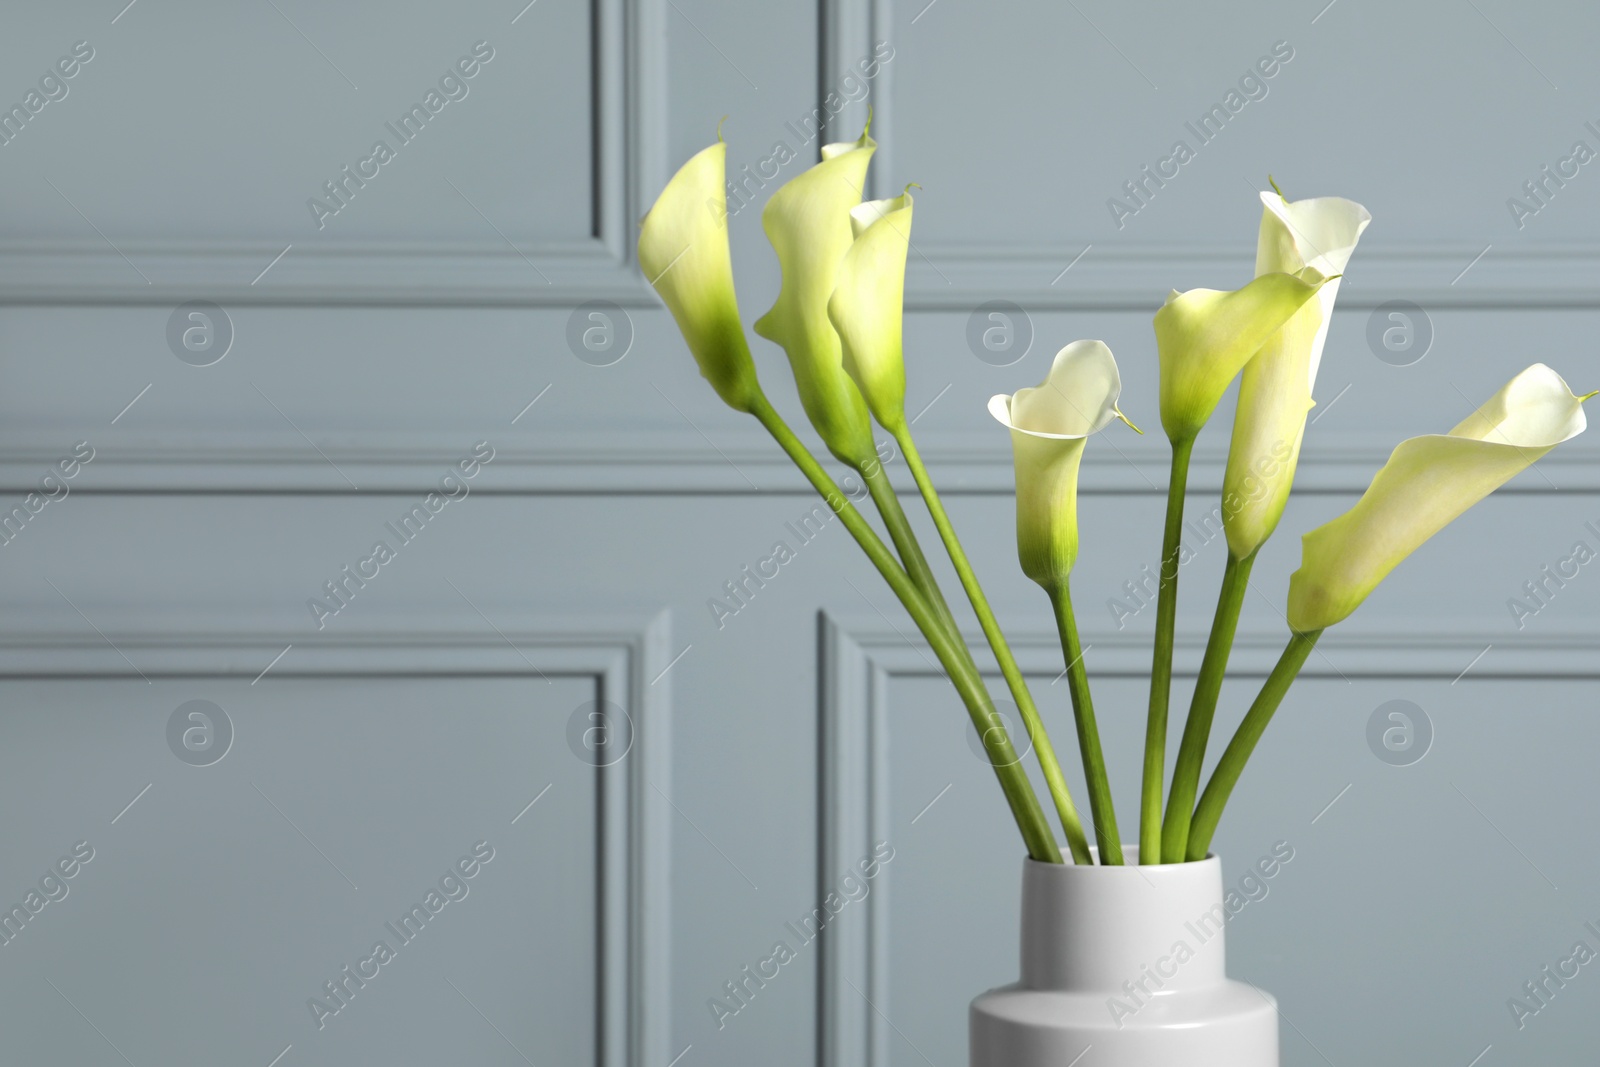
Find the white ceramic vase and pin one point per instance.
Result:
(1128, 962)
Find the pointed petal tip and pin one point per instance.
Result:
(1315, 278)
(764, 327)
(864, 143)
(1000, 408)
(870, 212)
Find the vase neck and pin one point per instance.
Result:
(1115, 929)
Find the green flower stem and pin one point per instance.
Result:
(1057, 781)
(1197, 728)
(1094, 763)
(1155, 735)
(910, 550)
(1226, 776)
(1041, 843)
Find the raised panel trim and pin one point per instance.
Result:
(850, 29)
(1137, 277)
(1349, 651)
(629, 146)
(623, 655)
(857, 662)
(852, 816)
(743, 460)
(1115, 275)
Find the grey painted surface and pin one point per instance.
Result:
(426, 714)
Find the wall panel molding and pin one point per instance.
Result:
(741, 461)
(849, 31)
(1115, 274)
(622, 655)
(630, 82)
(858, 660)
(852, 764)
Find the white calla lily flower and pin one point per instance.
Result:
(868, 304)
(808, 222)
(683, 251)
(1049, 425)
(1276, 385)
(1427, 483)
(1204, 338)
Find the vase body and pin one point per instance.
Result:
(1129, 961)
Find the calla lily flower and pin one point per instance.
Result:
(1275, 387)
(683, 251)
(808, 222)
(866, 307)
(1049, 425)
(1428, 482)
(1204, 337)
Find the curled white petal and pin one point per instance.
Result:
(1077, 398)
(1535, 409)
(1276, 385)
(864, 214)
(1320, 233)
(1049, 426)
(1428, 482)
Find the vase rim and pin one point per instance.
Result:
(1131, 853)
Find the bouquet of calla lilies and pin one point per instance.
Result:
(838, 318)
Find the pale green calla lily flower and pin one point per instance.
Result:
(1428, 482)
(1205, 337)
(1049, 425)
(683, 251)
(1276, 385)
(808, 222)
(867, 305)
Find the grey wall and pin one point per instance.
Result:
(571, 573)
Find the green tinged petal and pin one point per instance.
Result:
(1205, 337)
(1427, 483)
(868, 303)
(808, 222)
(1274, 399)
(1275, 386)
(1049, 425)
(683, 251)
